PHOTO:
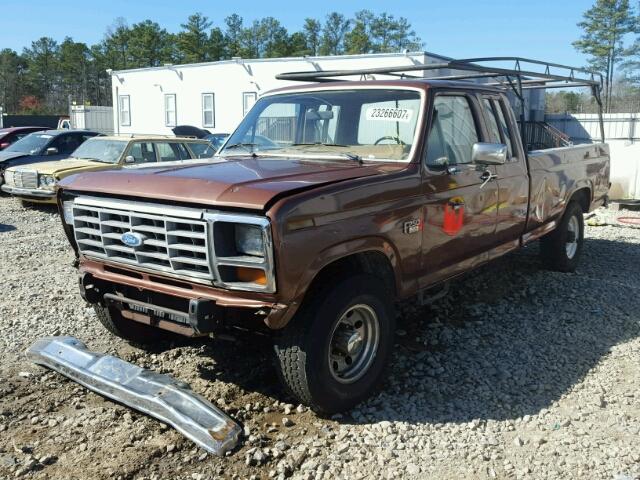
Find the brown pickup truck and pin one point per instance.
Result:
(368, 192)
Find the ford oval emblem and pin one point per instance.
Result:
(132, 239)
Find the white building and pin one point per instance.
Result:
(216, 95)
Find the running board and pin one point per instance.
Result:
(157, 395)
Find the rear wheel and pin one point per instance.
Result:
(129, 330)
(334, 352)
(561, 249)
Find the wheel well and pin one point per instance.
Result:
(373, 263)
(583, 197)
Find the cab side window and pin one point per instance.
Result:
(169, 151)
(453, 131)
(142, 152)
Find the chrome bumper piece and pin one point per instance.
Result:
(29, 192)
(157, 395)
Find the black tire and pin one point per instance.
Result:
(302, 348)
(554, 247)
(129, 330)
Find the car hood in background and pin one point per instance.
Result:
(240, 182)
(70, 165)
(4, 156)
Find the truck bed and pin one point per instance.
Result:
(556, 173)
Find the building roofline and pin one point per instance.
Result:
(241, 61)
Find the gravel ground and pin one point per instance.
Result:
(518, 373)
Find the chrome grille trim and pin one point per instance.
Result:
(178, 241)
(169, 243)
(21, 178)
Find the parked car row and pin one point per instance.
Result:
(31, 167)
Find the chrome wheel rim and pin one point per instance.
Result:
(354, 343)
(573, 232)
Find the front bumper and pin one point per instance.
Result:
(182, 307)
(30, 193)
(157, 395)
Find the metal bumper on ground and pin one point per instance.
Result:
(157, 395)
(29, 192)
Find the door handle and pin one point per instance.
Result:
(486, 177)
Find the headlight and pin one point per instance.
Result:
(249, 240)
(47, 181)
(242, 252)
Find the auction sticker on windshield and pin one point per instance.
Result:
(389, 114)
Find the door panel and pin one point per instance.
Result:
(460, 207)
(513, 179)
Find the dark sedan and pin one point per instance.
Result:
(42, 146)
(13, 134)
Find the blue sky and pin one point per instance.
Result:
(542, 29)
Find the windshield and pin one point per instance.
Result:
(365, 124)
(31, 144)
(106, 151)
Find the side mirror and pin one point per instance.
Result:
(129, 159)
(51, 151)
(489, 153)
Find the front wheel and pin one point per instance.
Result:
(561, 249)
(334, 352)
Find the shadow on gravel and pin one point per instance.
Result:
(41, 207)
(509, 340)
(6, 228)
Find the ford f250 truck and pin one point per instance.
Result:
(373, 191)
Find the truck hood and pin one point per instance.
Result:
(70, 165)
(239, 182)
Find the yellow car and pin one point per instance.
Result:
(38, 182)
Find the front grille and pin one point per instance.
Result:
(168, 243)
(21, 178)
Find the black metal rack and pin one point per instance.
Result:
(526, 74)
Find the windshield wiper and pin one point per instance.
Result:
(319, 144)
(244, 145)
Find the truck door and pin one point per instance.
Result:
(460, 197)
(512, 177)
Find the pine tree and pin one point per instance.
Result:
(604, 27)
(193, 41)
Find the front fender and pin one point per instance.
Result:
(328, 256)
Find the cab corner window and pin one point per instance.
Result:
(491, 121)
(453, 132)
(504, 126)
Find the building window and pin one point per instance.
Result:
(208, 110)
(170, 110)
(124, 110)
(248, 99)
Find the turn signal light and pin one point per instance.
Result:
(251, 275)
